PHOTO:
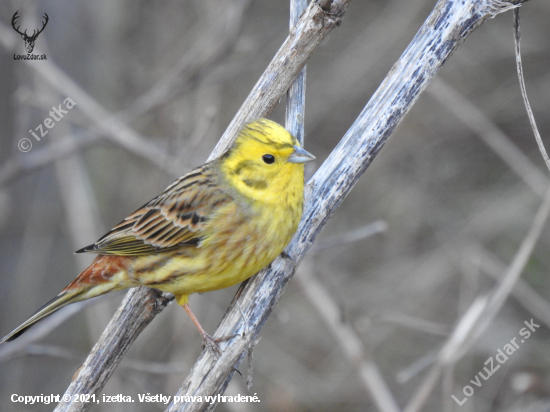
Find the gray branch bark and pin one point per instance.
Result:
(445, 29)
(296, 95)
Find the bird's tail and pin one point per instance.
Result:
(105, 274)
(64, 298)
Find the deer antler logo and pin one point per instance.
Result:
(29, 40)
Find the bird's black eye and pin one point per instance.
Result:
(268, 158)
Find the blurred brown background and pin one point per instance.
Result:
(455, 211)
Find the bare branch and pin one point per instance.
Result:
(524, 91)
(483, 310)
(352, 236)
(296, 95)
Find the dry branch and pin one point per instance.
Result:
(519, 66)
(525, 294)
(296, 95)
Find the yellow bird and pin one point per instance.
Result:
(212, 228)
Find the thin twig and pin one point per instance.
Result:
(295, 110)
(296, 95)
(523, 292)
(519, 66)
(352, 236)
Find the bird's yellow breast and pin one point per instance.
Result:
(242, 240)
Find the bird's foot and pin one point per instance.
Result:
(211, 344)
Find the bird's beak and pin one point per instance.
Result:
(300, 156)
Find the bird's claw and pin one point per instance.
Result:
(211, 344)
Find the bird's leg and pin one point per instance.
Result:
(209, 342)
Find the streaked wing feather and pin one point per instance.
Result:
(175, 219)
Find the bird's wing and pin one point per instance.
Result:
(175, 219)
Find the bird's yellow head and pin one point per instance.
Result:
(265, 162)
